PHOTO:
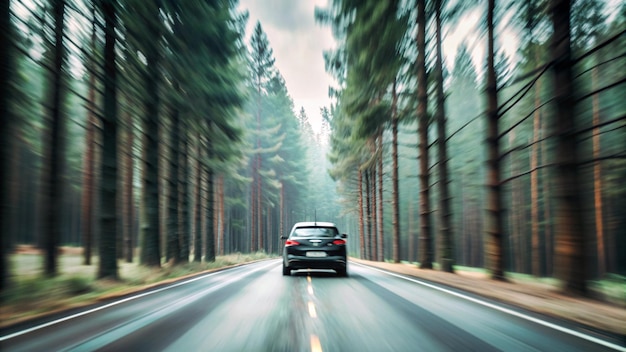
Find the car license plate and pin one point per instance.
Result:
(315, 254)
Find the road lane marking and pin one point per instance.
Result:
(310, 289)
(316, 346)
(504, 310)
(312, 311)
(308, 278)
(128, 299)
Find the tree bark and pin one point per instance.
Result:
(361, 217)
(368, 216)
(445, 216)
(184, 205)
(570, 241)
(426, 257)
(395, 197)
(221, 215)
(597, 177)
(495, 248)
(534, 184)
(54, 147)
(107, 267)
(197, 243)
(381, 223)
(210, 201)
(129, 198)
(374, 216)
(151, 200)
(7, 124)
(173, 245)
(89, 186)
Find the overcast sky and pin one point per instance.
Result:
(298, 43)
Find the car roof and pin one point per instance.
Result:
(314, 224)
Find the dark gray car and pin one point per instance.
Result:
(315, 245)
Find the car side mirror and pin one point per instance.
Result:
(344, 235)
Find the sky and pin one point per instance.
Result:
(298, 43)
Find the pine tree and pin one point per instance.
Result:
(107, 267)
(495, 248)
(570, 263)
(7, 123)
(262, 62)
(54, 159)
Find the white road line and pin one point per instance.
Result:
(316, 346)
(505, 310)
(112, 304)
(312, 311)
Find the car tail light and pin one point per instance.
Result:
(339, 242)
(289, 243)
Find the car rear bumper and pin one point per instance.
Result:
(296, 262)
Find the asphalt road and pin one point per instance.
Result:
(255, 308)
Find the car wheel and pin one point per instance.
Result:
(286, 270)
(342, 272)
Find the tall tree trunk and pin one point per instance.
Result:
(151, 200)
(412, 245)
(374, 200)
(89, 163)
(570, 241)
(519, 250)
(173, 244)
(426, 251)
(7, 124)
(361, 217)
(534, 185)
(368, 215)
(395, 197)
(210, 201)
(281, 226)
(184, 205)
(445, 217)
(597, 177)
(515, 234)
(107, 267)
(197, 243)
(381, 227)
(259, 206)
(52, 175)
(547, 204)
(495, 248)
(129, 199)
(221, 215)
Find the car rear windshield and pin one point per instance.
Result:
(315, 232)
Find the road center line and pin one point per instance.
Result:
(316, 346)
(312, 311)
(504, 310)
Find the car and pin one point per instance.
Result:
(315, 245)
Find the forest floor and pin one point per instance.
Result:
(538, 296)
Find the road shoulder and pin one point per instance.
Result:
(539, 298)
